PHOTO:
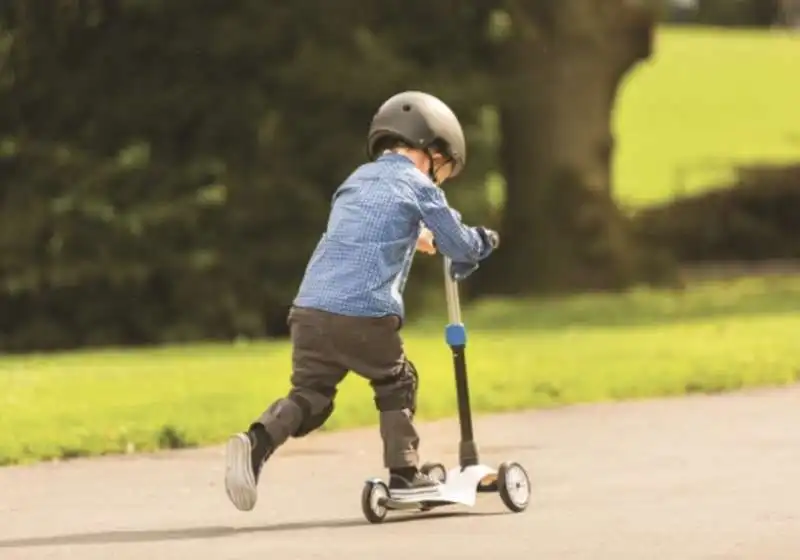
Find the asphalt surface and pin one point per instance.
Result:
(695, 478)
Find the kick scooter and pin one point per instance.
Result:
(461, 484)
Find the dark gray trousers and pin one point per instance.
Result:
(326, 347)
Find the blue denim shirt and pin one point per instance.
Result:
(361, 263)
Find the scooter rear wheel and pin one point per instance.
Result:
(435, 470)
(372, 496)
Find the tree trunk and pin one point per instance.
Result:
(557, 73)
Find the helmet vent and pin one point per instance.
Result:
(406, 107)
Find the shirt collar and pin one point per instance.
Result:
(394, 156)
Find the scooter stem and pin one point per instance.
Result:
(456, 337)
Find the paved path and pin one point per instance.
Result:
(697, 478)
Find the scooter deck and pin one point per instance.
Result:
(410, 505)
(462, 487)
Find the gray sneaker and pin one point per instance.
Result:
(419, 487)
(244, 458)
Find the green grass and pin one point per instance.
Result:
(521, 354)
(707, 99)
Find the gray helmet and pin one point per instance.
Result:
(419, 120)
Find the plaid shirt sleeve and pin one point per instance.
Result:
(453, 239)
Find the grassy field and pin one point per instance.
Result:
(521, 354)
(706, 99)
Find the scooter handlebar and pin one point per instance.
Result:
(451, 293)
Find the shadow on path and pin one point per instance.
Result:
(134, 536)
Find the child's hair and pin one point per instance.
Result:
(389, 143)
(392, 143)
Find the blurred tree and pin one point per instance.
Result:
(166, 170)
(166, 166)
(146, 153)
(557, 71)
(126, 142)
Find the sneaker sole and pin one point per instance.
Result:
(240, 483)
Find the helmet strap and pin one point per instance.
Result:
(431, 170)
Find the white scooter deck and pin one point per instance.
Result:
(460, 487)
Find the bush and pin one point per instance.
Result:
(754, 219)
(726, 13)
(738, 13)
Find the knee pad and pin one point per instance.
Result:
(314, 413)
(398, 392)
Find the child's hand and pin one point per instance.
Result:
(425, 242)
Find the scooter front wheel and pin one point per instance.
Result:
(514, 486)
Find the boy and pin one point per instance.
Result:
(349, 309)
